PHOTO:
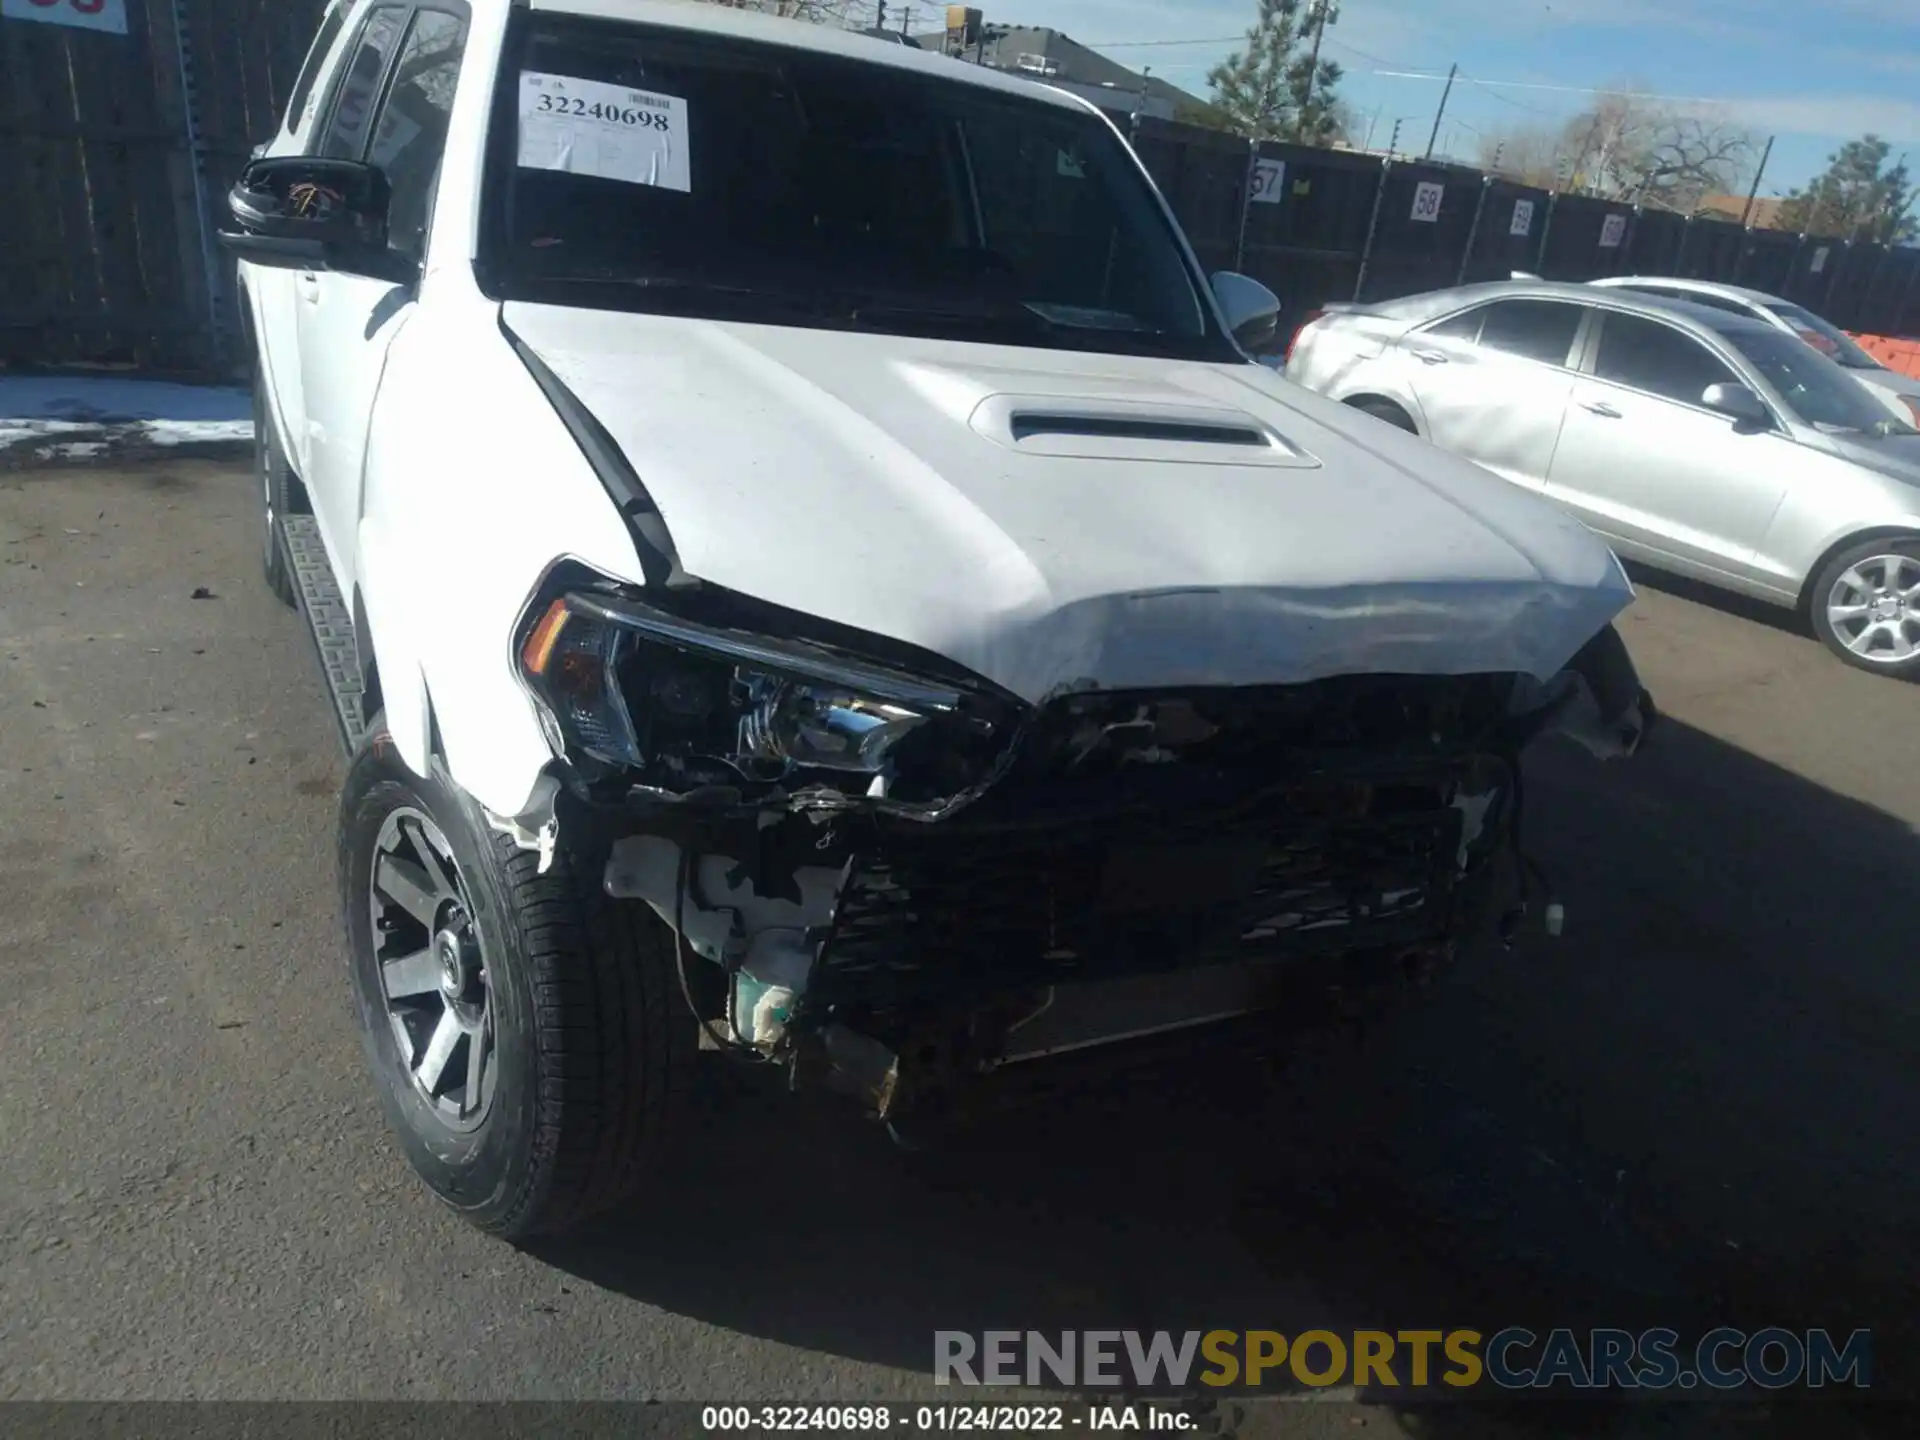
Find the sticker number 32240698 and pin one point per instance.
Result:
(611, 132)
(600, 110)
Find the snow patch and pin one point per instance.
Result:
(117, 413)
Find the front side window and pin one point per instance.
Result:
(1540, 330)
(1659, 359)
(1464, 326)
(411, 134)
(663, 170)
(310, 69)
(358, 88)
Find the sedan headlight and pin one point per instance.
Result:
(621, 685)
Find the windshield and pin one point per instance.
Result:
(1828, 339)
(663, 170)
(1814, 388)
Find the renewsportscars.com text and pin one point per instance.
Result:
(1511, 1359)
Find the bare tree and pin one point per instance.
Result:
(1629, 146)
(821, 12)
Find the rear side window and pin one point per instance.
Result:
(310, 70)
(1656, 358)
(1464, 326)
(1540, 330)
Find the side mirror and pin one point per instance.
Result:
(1252, 310)
(303, 213)
(1740, 405)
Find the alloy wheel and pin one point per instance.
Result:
(433, 969)
(1874, 609)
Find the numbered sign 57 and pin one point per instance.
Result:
(1427, 196)
(1268, 176)
(82, 14)
(1613, 230)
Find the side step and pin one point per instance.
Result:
(329, 623)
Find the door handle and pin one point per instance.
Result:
(1600, 407)
(1430, 357)
(309, 284)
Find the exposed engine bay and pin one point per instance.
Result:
(885, 872)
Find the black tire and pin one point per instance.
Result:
(592, 1041)
(1388, 411)
(273, 480)
(1869, 561)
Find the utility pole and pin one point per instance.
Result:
(1452, 70)
(906, 18)
(1746, 215)
(1393, 145)
(1313, 66)
(880, 19)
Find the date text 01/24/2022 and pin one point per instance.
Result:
(1008, 1419)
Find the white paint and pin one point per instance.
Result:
(1427, 196)
(1269, 176)
(584, 127)
(1613, 230)
(1522, 218)
(108, 15)
(839, 475)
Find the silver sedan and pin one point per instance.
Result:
(1694, 440)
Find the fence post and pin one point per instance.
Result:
(1833, 277)
(1246, 205)
(1546, 229)
(196, 159)
(1879, 272)
(1793, 265)
(1680, 254)
(1740, 256)
(1373, 227)
(1473, 230)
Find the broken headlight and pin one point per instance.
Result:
(623, 685)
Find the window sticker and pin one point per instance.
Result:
(585, 127)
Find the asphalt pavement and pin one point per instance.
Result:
(1697, 1107)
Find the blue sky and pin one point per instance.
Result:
(1812, 72)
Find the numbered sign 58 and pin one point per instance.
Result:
(1613, 230)
(1427, 196)
(108, 15)
(1522, 218)
(1268, 175)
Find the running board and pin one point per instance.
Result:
(329, 623)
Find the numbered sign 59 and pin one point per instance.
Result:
(1522, 218)
(1613, 230)
(1427, 196)
(1268, 176)
(108, 15)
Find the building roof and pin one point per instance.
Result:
(1057, 57)
(1766, 211)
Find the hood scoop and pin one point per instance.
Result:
(1132, 430)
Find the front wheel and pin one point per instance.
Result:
(1866, 606)
(525, 1033)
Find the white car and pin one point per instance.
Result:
(809, 571)
(1899, 393)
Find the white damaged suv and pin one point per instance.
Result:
(808, 569)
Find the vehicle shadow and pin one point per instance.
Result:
(1694, 1109)
(1728, 602)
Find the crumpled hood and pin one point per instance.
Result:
(1056, 520)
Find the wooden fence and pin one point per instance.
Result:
(116, 151)
(117, 147)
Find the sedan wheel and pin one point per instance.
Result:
(1866, 606)
(1875, 608)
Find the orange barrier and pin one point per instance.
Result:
(1901, 355)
